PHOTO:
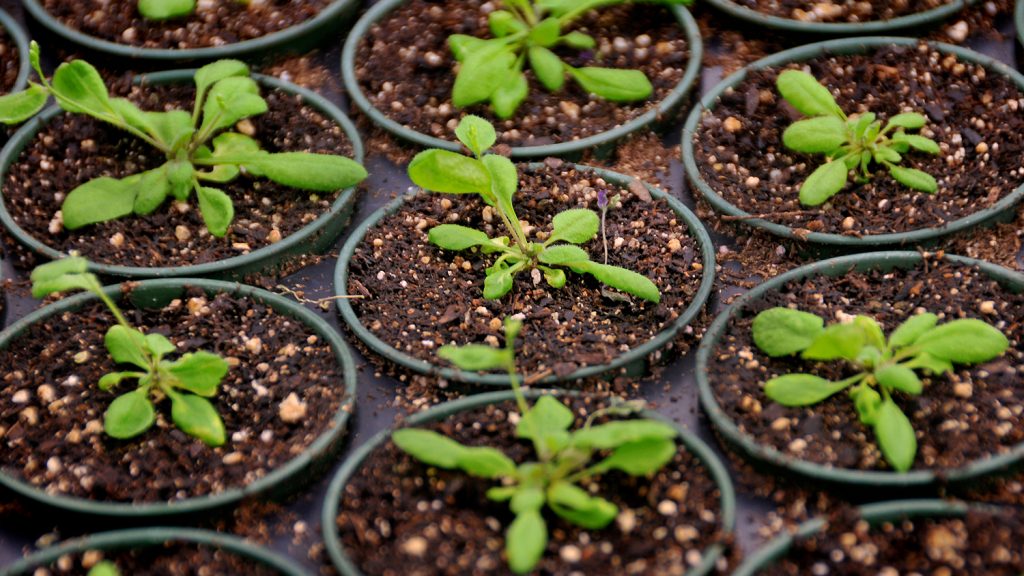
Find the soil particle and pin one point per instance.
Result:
(170, 559)
(840, 10)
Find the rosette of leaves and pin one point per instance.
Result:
(495, 179)
(849, 144)
(565, 458)
(200, 147)
(529, 31)
(882, 367)
(187, 381)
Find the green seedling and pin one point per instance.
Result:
(187, 381)
(170, 9)
(564, 457)
(491, 70)
(496, 180)
(104, 568)
(849, 143)
(884, 366)
(199, 147)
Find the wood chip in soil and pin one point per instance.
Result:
(51, 410)
(216, 23)
(419, 297)
(406, 70)
(73, 149)
(839, 10)
(974, 413)
(169, 559)
(399, 516)
(973, 114)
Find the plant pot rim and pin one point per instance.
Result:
(280, 476)
(156, 536)
(260, 258)
(341, 561)
(695, 230)
(1019, 20)
(17, 35)
(670, 102)
(752, 450)
(266, 43)
(776, 549)
(846, 28)
(830, 47)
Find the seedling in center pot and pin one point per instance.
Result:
(883, 366)
(187, 381)
(496, 180)
(199, 147)
(849, 143)
(491, 70)
(564, 458)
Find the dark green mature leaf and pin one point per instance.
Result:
(867, 401)
(912, 329)
(621, 279)
(640, 457)
(577, 506)
(914, 178)
(127, 346)
(548, 67)
(429, 447)
(98, 200)
(909, 120)
(895, 436)
(900, 378)
(455, 237)
(968, 341)
(837, 341)
(614, 434)
(563, 255)
(216, 209)
(166, 9)
(199, 372)
(613, 84)
(484, 462)
(476, 357)
(825, 182)
(498, 283)
(80, 89)
(129, 415)
(821, 134)
(577, 225)
(230, 100)
(197, 417)
(151, 189)
(509, 95)
(476, 134)
(809, 97)
(525, 541)
(449, 173)
(801, 389)
(483, 71)
(17, 107)
(782, 331)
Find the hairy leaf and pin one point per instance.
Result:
(98, 200)
(17, 107)
(895, 436)
(509, 95)
(455, 237)
(900, 378)
(809, 97)
(825, 182)
(801, 389)
(621, 279)
(914, 178)
(577, 225)
(216, 209)
(837, 341)
(197, 417)
(476, 133)
(548, 67)
(449, 173)
(782, 331)
(127, 346)
(199, 372)
(563, 254)
(912, 329)
(129, 415)
(967, 341)
(483, 71)
(821, 134)
(613, 84)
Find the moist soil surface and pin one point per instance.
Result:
(51, 409)
(406, 70)
(8, 62)
(840, 10)
(171, 559)
(419, 297)
(976, 412)
(74, 149)
(400, 517)
(980, 543)
(974, 115)
(215, 23)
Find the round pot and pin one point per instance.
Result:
(17, 35)
(841, 28)
(150, 537)
(1000, 210)
(633, 362)
(281, 481)
(341, 560)
(295, 39)
(603, 143)
(819, 474)
(317, 236)
(1019, 20)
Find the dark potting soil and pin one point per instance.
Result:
(406, 70)
(74, 149)
(419, 297)
(51, 410)
(974, 413)
(840, 10)
(400, 517)
(9, 63)
(215, 22)
(170, 559)
(973, 114)
(980, 543)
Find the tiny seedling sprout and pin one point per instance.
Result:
(884, 367)
(637, 447)
(496, 180)
(849, 143)
(187, 381)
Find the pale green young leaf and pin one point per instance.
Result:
(546, 33)
(837, 341)
(159, 345)
(166, 9)
(98, 200)
(112, 379)
(873, 334)
(504, 184)
(867, 401)
(449, 173)
(580, 508)
(547, 417)
(809, 97)
(129, 415)
(476, 134)
(503, 23)
(498, 283)
(825, 182)
(509, 95)
(895, 436)
(17, 107)
(226, 145)
(230, 100)
(429, 447)
(483, 71)
(304, 170)
(174, 127)
(456, 237)
(914, 178)
(563, 255)
(821, 134)
(967, 341)
(782, 331)
(199, 372)
(485, 462)
(198, 418)
(179, 176)
(612, 83)
(861, 124)
(79, 88)
(883, 155)
(640, 457)
(151, 189)
(215, 72)
(104, 568)
(577, 225)
(908, 120)
(463, 45)
(900, 378)
(911, 329)
(553, 276)
(579, 40)
(614, 434)
(216, 209)
(476, 357)
(918, 143)
(621, 279)
(548, 67)
(801, 389)
(127, 346)
(525, 541)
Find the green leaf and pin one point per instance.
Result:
(809, 97)
(918, 142)
(199, 372)
(613, 84)
(525, 541)
(228, 145)
(104, 568)
(801, 389)
(58, 268)
(303, 170)
(640, 457)
(509, 95)
(821, 134)
(216, 209)
(462, 45)
(98, 200)
(498, 283)
(825, 182)
(872, 331)
(483, 71)
(127, 346)
(108, 381)
(503, 23)
(932, 364)
(501, 493)
(899, 377)
(862, 124)
(17, 107)
(429, 447)
(79, 88)
(895, 436)
(216, 71)
(166, 9)
(197, 417)
(867, 401)
(837, 341)
(577, 225)
(579, 40)
(548, 67)
(782, 331)
(455, 237)
(914, 178)
(179, 176)
(476, 357)
(909, 120)
(614, 434)
(577, 506)
(546, 33)
(449, 173)
(504, 183)
(553, 276)
(484, 462)
(563, 255)
(129, 415)
(912, 329)
(158, 345)
(883, 155)
(621, 279)
(230, 100)
(527, 498)
(968, 341)
(131, 115)
(151, 189)
(476, 133)
(174, 127)
(547, 417)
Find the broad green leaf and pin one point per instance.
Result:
(899, 377)
(914, 178)
(483, 71)
(837, 341)
(449, 173)
(801, 389)
(57, 268)
(563, 254)
(918, 142)
(872, 331)
(554, 277)
(98, 200)
(501, 493)
(821, 134)
(932, 364)
(503, 23)
(577, 225)
(166, 9)
(546, 33)
(179, 176)
(199, 372)
(621, 279)
(462, 45)
(579, 40)
(509, 95)
(476, 357)
(867, 401)
(912, 329)
(216, 209)
(131, 115)
(455, 237)
(613, 84)
(129, 415)
(104, 568)
(619, 432)
(303, 170)
(861, 124)
(525, 541)
(197, 417)
(809, 97)
(909, 120)
(640, 457)
(429, 447)
(967, 341)
(215, 72)
(825, 182)
(547, 417)
(883, 155)
(476, 133)
(782, 331)
(127, 346)
(895, 436)
(226, 145)
(20, 106)
(79, 88)
(526, 499)
(151, 189)
(108, 381)
(173, 127)
(548, 67)
(498, 283)
(61, 276)
(484, 462)
(230, 100)
(577, 506)
(159, 345)
(504, 183)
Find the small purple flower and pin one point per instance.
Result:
(602, 199)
